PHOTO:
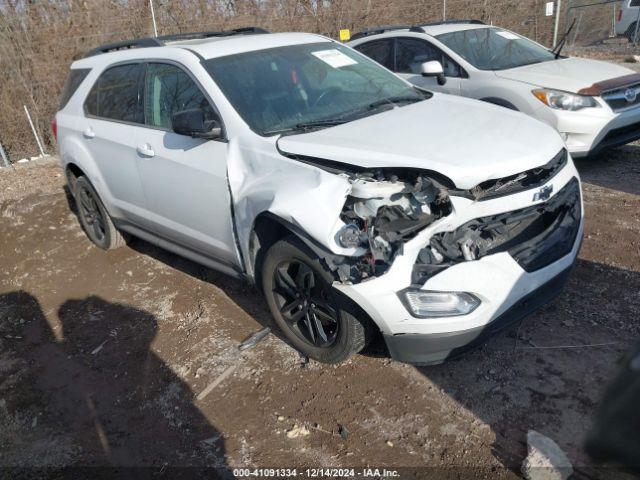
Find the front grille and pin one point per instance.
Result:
(522, 181)
(534, 236)
(618, 101)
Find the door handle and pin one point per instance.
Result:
(88, 133)
(146, 150)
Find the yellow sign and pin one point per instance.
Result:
(345, 35)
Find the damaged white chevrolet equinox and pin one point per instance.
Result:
(356, 202)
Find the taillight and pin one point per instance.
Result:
(54, 128)
(619, 15)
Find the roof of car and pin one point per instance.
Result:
(204, 44)
(222, 46)
(435, 30)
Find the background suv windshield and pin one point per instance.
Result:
(495, 49)
(280, 88)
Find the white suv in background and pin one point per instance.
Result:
(356, 202)
(593, 104)
(627, 20)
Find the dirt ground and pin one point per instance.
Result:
(106, 357)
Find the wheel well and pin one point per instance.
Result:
(73, 172)
(267, 230)
(500, 102)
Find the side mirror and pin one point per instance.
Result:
(433, 69)
(192, 124)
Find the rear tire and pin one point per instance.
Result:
(311, 314)
(94, 218)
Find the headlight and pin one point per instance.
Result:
(429, 304)
(564, 100)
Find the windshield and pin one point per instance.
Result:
(288, 88)
(495, 49)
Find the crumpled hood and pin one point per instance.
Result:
(466, 140)
(568, 74)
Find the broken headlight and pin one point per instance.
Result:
(431, 304)
(564, 100)
(383, 211)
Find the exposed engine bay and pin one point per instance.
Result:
(382, 212)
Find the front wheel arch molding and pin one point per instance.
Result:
(268, 228)
(73, 172)
(501, 102)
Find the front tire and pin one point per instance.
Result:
(94, 218)
(311, 314)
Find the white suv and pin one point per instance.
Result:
(593, 104)
(627, 19)
(356, 202)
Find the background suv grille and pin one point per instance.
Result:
(617, 101)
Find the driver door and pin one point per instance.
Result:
(411, 53)
(184, 179)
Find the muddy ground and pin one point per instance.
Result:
(104, 357)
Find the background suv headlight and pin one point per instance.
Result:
(430, 304)
(564, 100)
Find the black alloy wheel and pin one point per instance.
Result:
(305, 302)
(91, 215)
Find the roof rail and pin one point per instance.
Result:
(412, 28)
(124, 45)
(376, 30)
(223, 33)
(161, 41)
(454, 22)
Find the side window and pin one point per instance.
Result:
(380, 50)
(634, 3)
(116, 94)
(451, 68)
(75, 78)
(168, 89)
(411, 53)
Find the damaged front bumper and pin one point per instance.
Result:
(511, 272)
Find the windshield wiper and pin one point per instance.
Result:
(306, 126)
(393, 101)
(558, 48)
(331, 122)
(346, 117)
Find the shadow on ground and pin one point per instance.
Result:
(113, 403)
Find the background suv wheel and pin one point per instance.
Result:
(94, 218)
(309, 311)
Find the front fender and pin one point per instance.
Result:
(302, 195)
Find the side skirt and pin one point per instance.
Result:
(197, 257)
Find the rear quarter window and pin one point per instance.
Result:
(116, 95)
(74, 79)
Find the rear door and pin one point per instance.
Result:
(184, 178)
(113, 110)
(411, 53)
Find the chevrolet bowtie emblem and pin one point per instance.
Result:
(543, 194)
